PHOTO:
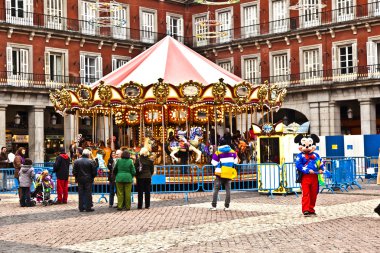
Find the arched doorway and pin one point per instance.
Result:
(289, 116)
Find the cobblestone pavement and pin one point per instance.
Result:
(255, 223)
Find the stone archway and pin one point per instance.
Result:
(290, 116)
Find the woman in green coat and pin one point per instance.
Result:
(124, 171)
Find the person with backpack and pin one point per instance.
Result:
(144, 172)
(61, 168)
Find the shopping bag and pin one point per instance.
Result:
(321, 180)
(228, 172)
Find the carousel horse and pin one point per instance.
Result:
(184, 145)
(207, 151)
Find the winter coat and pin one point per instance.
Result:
(3, 160)
(224, 157)
(110, 166)
(61, 166)
(17, 162)
(84, 170)
(147, 167)
(26, 175)
(124, 170)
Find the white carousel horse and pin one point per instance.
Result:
(195, 135)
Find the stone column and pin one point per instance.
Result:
(324, 120)
(3, 127)
(36, 134)
(335, 123)
(68, 130)
(367, 116)
(315, 126)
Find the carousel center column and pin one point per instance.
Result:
(102, 129)
(36, 133)
(69, 130)
(3, 110)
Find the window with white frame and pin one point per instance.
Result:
(226, 64)
(344, 10)
(91, 68)
(225, 27)
(344, 60)
(18, 62)
(251, 69)
(148, 25)
(200, 29)
(55, 65)
(174, 26)
(19, 12)
(118, 61)
(54, 18)
(250, 21)
(374, 8)
(310, 64)
(119, 16)
(373, 56)
(88, 18)
(279, 14)
(311, 16)
(280, 67)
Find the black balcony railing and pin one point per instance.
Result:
(318, 77)
(311, 19)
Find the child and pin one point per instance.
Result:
(43, 179)
(26, 178)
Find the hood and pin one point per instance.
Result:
(224, 149)
(64, 156)
(25, 168)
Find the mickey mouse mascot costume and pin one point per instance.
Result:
(308, 164)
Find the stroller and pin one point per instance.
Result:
(43, 185)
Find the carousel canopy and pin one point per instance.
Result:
(173, 62)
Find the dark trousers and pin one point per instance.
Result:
(25, 196)
(227, 186)
(143, 185)
(85, 195)
(62, 190)
(112, 188)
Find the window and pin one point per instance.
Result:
(279, 13)
(120, 22)
(226, 64)
(374, 8)
(280, 67)
(311, 15)
(91, 68)
(55, 65)
(225, 19)
(88, 18)
(174, 27)
(310, 65)
(251, 70)
(373, 58)
(17, 61)
(117, 62)
(200, 29)
(19, 12)
(54, 14)
(344, 61)
(344, 10)
(250, 21)
(148, 25)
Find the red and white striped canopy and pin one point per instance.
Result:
(172, 61)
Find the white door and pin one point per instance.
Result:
(225, 26)
(174, 27)
(119, 22)
(375, 7)
(311, 14)
(279, 16)
(88, 18)
(19, 12)
(251, 27)
(251, 70)
(310, 66)
(201, 30)
(345, 10)
(280, 68)
(147, 27)
(54, 14)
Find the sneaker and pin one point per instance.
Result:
(212, 209)
(306, 213)
(226, 209)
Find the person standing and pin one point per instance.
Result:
(26, 176)
(124, 171)
(4, 158)
(61, 168)
(111, 177)
(144, 172)
(84, 171)
(17, 162)
(224, 159)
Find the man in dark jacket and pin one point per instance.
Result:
(4, 158)
(61, 169)
(144, 171)
(84, 171)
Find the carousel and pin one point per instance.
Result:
(173, 97)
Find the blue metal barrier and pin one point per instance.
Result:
(269, 178)
(342, 174)
(361, 164)
(372, 169)
(246, 179)
(289, 176)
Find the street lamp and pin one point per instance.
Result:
(285, 120)
(17, 119)
(350, 114)
(53, 119)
